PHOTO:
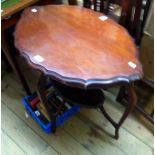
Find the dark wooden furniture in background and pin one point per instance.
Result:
(147, 84)
(133, 17)
(79, 48)
(9, 18)
(146, 8)
(133, 13)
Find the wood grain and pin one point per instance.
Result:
(8, 143)
(131, 125)
(130, 132)
(75, 44)
(61, 141)
(93, 136)
(132, 128)
(31, 142)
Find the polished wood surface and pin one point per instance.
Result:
(131, 14)
(9, 18)
(73, 43)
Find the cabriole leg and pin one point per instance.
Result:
(41, 90)
(132, 102)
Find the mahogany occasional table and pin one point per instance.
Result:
(80, 49)
(10, 14)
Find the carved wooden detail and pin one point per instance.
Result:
(74, 46)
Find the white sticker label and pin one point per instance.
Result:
(103, 18)
(67, 105)
(132, 64)
(37, 113)
(33, 10)
(38, 58)
(2, 10)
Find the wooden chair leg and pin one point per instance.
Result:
(43, 99)
(152, 113)
(121, 94)
(129, 108)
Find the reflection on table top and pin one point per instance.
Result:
(70, 42)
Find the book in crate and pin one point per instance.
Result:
(37, 110)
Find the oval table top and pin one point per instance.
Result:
(77, 45)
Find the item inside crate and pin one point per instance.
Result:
(39, 113)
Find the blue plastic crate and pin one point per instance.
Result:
(59, 120)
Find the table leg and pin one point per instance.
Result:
(43, 99)
(132, 103)
(72, 2)
(7, 51)
(121, 94)
(129, 108)
(152, 113)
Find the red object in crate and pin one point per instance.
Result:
(34, 102)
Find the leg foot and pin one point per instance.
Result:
(116, 133)
(121, 94)
(129, 108)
